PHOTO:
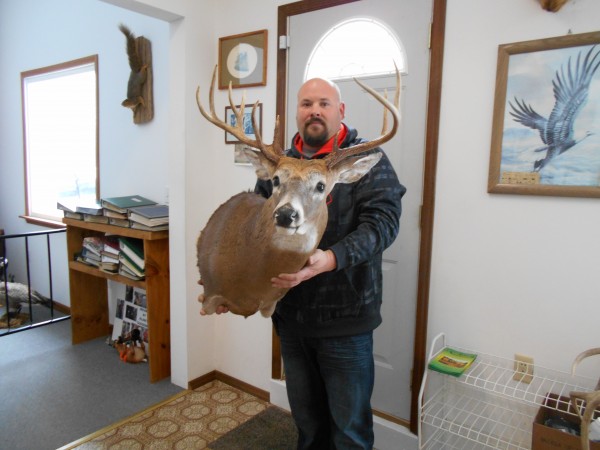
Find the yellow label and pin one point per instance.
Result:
(520, 178)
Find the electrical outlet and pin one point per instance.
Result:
(523, 368)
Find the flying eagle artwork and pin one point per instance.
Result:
(570, 85)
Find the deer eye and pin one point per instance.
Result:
(276, 181)
(320, 186)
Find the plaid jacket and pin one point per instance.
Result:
(363, 221)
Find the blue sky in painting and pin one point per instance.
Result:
(530, 78)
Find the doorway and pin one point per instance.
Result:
(291, 14)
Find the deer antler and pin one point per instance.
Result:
(336, 156)
(272, 152)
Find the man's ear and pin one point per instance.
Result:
(263, 167)
(353, 169)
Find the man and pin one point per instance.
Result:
(326, 321)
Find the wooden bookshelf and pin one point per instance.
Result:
(88, 288)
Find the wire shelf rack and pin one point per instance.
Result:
(488, 406)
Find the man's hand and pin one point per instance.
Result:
(320, 261)
(220, 310)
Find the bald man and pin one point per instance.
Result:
(325, 322)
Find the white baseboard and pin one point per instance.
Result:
(388, 435)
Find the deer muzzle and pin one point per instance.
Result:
(286, 216)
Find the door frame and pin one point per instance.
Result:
(429, 175)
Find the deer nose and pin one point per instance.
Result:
(285, 215)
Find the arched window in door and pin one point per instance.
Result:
(356, 47)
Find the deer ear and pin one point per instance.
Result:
(351, 169)
(263, 166)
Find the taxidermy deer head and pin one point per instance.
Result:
(250, 239)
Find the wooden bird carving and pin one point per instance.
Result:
(138, 75)
(552, 5)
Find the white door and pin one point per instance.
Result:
(409, 20)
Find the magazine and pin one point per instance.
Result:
(452, 362)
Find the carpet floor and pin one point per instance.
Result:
(54, 392)
(213, 414)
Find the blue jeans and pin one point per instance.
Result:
(329, 385)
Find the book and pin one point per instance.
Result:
(153, 215)
(92, 208)
(66, 205)
(127, 273)
(114, 214)
(151, 211)
(110, 267)
(109, 258)
(134, 249)
(452, 362)
(122, 204)
(94, 218)
(73, 215)
(88, 257)
(110, 244)
(141, 226)
(130, 266)
(119, 222)
(94, 244)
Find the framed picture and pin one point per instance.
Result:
(239, 157)
(247, 124)
(243, 60)
(546, 124)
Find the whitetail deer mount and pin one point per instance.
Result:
(250, 239)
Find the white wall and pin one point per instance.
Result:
(510, 273)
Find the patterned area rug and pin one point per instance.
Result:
(189, 420)
(271, 429)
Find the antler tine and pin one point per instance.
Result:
(396, 101)
(237, 130)
(336, 156)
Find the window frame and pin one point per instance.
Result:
(88, 60)
(326, 39)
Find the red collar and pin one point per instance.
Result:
(327, 147)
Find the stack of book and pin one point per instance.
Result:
(147, 214)
(117, 208)
(89, 211)
(110, 254)
(131, 258)
(90, 251)
(101, 252)
(151, 218)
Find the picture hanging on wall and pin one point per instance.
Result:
(546, 124)
(243, 60)
(247, 126)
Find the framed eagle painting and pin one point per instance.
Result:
(546, 123)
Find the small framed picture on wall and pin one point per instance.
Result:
(243, 60)
(247, 126)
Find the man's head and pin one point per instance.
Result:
(319, 113)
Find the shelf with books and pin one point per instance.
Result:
(84, 268)
(89, 291)
(119, 231)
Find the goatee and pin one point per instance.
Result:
(315, 140)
